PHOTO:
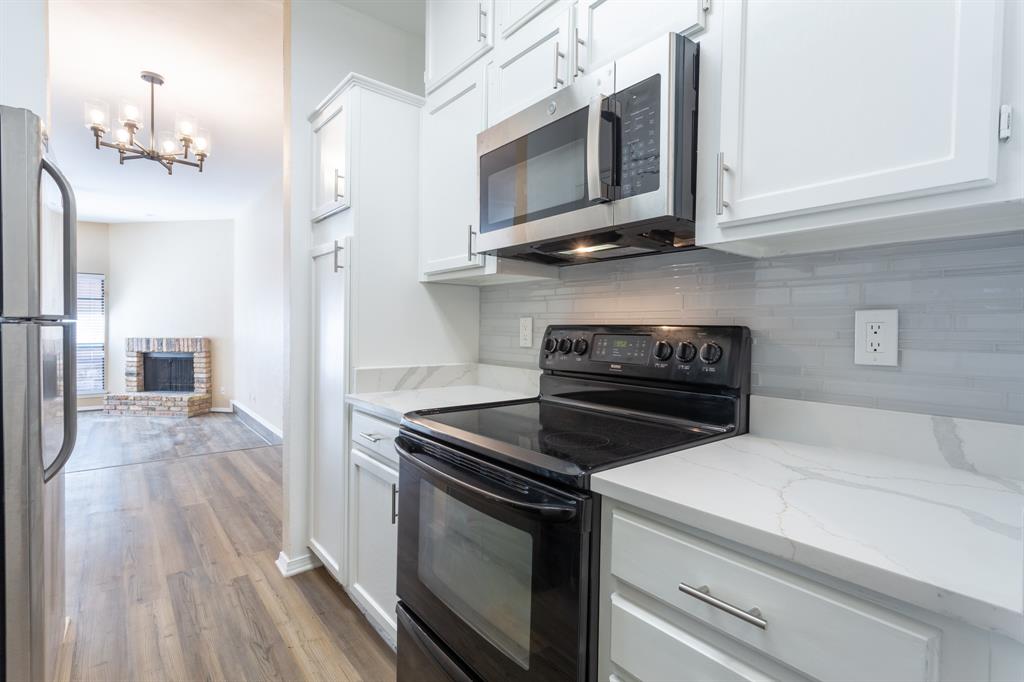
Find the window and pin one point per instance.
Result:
(92, 334)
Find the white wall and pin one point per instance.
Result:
(94, 256)
(259, 307)
(172, 279)
(324, 42)
(24, 58)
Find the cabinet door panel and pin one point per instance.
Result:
(610, 28)
(374, 530)
(328, 476)
(512, 15)
(458, 32)
(330, 163)
(839, 103)
(452, 118)
(533, 64)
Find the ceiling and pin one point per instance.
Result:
(407, 15)
(222, 62)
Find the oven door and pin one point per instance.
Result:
(496, 565)
(546, 173)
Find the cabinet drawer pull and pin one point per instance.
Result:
(481, 22)
(703, 593)
(337, 250)
(558, 80)
(394, 503)
(721, 204)
(373, 438)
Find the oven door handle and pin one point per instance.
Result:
(551, 512)
(595, 188)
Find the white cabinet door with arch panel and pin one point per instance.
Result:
(373, 529)
(829, 105)
(537, 60)
(608, 29)
(458, 33)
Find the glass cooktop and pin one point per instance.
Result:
(558, 438)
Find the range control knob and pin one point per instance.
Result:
(579, 346)
(710, 353)
(687, 352)
(550, 345)
(564, 345)
(662, 350)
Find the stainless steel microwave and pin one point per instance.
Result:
(604, 168)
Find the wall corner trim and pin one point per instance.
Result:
(260, 425)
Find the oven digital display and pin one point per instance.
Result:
(627, 349)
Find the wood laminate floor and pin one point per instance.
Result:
(171, 576)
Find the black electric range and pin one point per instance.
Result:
(499, 531)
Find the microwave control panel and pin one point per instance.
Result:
(639, 110)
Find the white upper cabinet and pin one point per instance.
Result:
(511, 15)
(840, 104)
(608, 29)
(534, 62)
(331, 154)
(458, 33)
(448, 189)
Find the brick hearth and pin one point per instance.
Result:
(137, 401)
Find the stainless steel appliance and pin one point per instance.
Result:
(604, 168)
(498, 540)
(37, 372)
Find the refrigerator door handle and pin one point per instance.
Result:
(70, 403)
(70, 224)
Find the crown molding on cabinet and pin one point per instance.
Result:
(367, 83)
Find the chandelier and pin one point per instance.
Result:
(166, 148)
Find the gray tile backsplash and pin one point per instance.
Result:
(961, 306)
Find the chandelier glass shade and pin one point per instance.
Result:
(187, 144)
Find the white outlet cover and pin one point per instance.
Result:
(525, 332)
(876, 338)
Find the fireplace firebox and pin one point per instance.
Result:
(168, 372)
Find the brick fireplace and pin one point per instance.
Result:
(179, 381)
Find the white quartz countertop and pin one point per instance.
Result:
(391, 405)
(944, 538)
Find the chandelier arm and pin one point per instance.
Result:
(132, 157)
(139, 146)
(187, 163)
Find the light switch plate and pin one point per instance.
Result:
(525, 332)
(876, 337)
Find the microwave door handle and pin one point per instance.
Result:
(67, 197)
(595, 188)
(549, 511)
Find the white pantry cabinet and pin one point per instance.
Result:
(607, 29)
(328, 479)
(373, 532)
(847, 112)
(331, 167)
(458, 32)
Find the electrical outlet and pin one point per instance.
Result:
(876, 337)
(525, 332)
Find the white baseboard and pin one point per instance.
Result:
(299, 564)
(221, 409)
(268, 431)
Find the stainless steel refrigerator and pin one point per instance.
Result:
(38, 412)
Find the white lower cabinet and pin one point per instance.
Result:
(675, 606)
(373, 538)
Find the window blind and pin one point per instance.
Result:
(91, 334)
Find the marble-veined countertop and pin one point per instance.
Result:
(391, 405)
(942, 537)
